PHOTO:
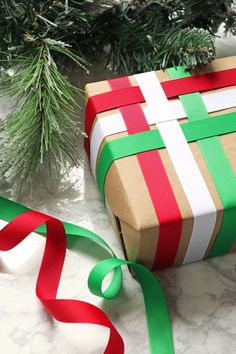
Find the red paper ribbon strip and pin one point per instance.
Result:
(157, 182)
(64, 310)
(172, 88)
(99, 103)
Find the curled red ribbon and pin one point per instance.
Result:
(64, 310)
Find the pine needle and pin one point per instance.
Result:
(40, 128)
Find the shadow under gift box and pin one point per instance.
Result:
(175, 202)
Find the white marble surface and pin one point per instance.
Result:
(201, 296)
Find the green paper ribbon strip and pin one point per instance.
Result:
(151, 139)
(218, 164)
(158, 323)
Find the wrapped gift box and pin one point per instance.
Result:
(162, 148)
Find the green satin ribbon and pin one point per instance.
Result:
(219, 167)
(151, 139)
(158, 323)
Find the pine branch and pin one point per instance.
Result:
(55, 19)
(206, 14)
(147, 35)
(40, 129)
(187, 47)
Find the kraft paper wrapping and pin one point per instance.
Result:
(127, 198)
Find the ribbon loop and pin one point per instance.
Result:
(22, 221)
(157, 319)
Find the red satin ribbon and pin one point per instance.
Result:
(96, 103)
(172, 88)
(64, 310)
(157, 182)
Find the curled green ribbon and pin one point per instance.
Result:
(158, 322)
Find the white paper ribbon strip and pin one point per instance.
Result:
(196, 191)
(114, 123)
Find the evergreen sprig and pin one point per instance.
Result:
(187, 47)
(143, 35)
(40, 129)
